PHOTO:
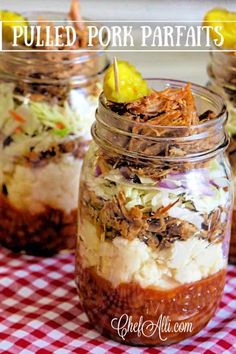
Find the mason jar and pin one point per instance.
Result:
(154, 223)
(222, 75)
(47, 106)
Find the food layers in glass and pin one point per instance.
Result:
(47, 106)
(154, 216)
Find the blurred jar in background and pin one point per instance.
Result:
(222, 74)
(47, 106)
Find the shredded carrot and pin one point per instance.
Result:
(169, 206)
(17, 117)
(18, 130)
(60, 125)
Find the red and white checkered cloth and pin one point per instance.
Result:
(40, 313)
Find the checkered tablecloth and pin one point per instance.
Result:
(40, 313)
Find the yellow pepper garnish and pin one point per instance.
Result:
(7, 27)
(216, 17)
(130, 82)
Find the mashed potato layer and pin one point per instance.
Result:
(122, 261)
(54, 185)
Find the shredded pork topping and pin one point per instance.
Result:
(164, 108)
(154, 116)
(168, 107)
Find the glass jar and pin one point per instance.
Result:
(154, 224)
(222, 74)
(47, 106)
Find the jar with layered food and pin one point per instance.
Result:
(154, 211)
(47, 106)
(222, 79)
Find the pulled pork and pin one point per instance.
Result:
(164, 108)
(154, 116)
(157, 230)
(168, 107)
(122, 222)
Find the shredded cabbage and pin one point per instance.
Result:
(50, 116)
(6, 101)
(37, 124)
(198, 192)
